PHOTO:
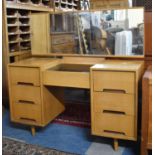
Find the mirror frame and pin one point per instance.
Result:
(93, 55)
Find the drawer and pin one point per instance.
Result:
(64, 48)
(26, 113)
(114, 102)
(110, 81)
(26, 94)
(114, 125)
(99, 4)
(67, 76)
(62, 39)
(122, 3)
(24, 75)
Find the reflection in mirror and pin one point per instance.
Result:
(63, 32)
(108, 32)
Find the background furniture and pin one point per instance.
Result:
(99, 4)
(146, 133)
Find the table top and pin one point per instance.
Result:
(119, 65)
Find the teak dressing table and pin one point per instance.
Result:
(77, 56)
(36, 92)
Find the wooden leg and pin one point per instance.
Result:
(33, 131)
(115, 144)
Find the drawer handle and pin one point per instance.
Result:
(114, 91)
(28, 119)
(25, 83)
(114, 112)
(114, 132)
(26, 102)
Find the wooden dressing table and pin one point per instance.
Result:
(36, 92)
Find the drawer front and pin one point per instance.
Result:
(114, 125)
(26, 94)
(109, 81)
(26, 113)
(117, 3)
(66, 48)
(99, 4)
(61, 39)
(25, 76)
(114, 101)
(66, 79)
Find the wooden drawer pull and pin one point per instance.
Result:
(25, 83)
(28, 119)
(114, 91)
(114, 132)
(114, 112)
(26, 102)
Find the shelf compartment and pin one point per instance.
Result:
(28, 7)
(13, 30)
(75, 7)
(23, 1)
(24, 37)
(63, 6)
(25, 46)
(12, 13)
(63, 1)
(70, 1)
(47, 3)
(36, 2)
(14, 47)
(57, 5)
(12, 21)
(75, 2)
(24, 29)
(11, 1)
(23, 13)
(13, 38)
(70, 6)
(24, 21)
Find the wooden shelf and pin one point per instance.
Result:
(12, 33)
(28, 40)
(52, 33)
(18, 53)
(28, 7)
(13, 42)
(12, 25)
(66, 5)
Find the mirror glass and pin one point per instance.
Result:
(108, 32)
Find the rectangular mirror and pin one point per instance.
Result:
(109, 32)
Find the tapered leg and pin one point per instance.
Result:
(33, 131)
(115, 144)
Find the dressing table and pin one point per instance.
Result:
(36, 93)
(36, 85)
